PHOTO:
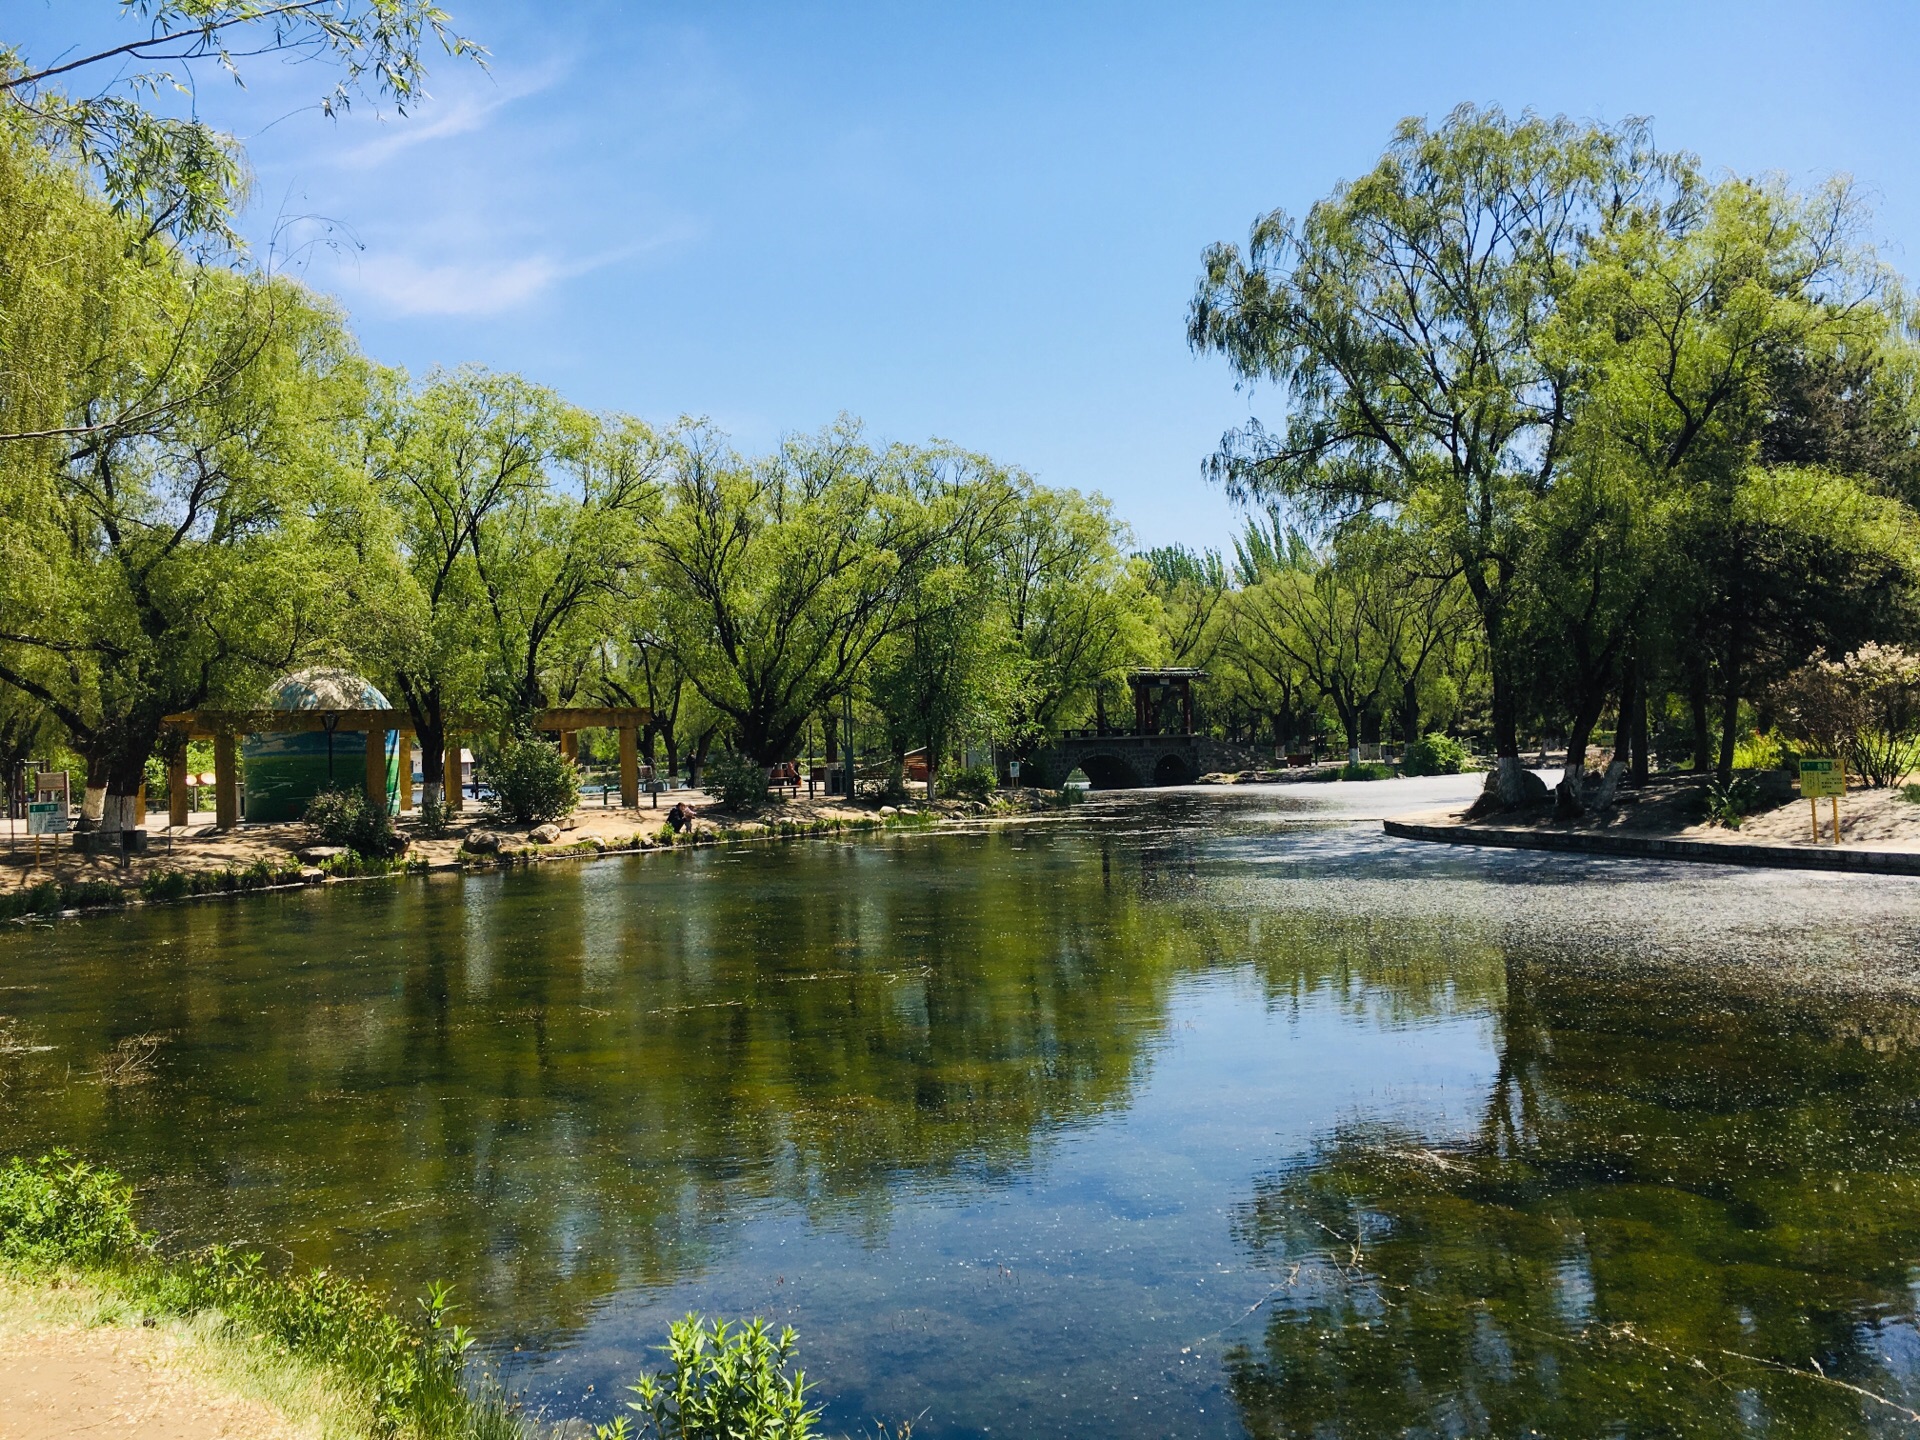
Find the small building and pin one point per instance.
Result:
(1163, 700)
(285, 770)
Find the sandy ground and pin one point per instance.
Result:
(66, 1383)
(200, 846)
(73, 1365)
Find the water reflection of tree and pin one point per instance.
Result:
(1685, 1211)
(548, 1086)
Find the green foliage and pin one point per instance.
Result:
(62, 1211)
(723, 1384)
(532, 781)
(738, 781)
(971, 782)
(163, 885)
(1730, 801)
(1910, 793)
(1434, 754)
(182, 177)
(1365, 770)
(50, 897)
(1865, 707)
(343, 817)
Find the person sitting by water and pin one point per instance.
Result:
(680, 817)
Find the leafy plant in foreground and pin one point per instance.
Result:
(724, 1384)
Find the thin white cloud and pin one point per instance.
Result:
(408, 287)
(405, 285)
(462, 115)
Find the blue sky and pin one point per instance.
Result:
(976, 222)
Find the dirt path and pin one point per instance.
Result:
(66, 1381)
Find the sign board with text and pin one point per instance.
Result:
(1822, 777)
(47, 817)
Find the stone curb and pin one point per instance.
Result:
(1871, 862)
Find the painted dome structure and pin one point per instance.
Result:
(285, 771)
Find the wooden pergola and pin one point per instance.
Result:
(224, 727)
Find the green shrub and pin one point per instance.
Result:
(736, 781)
(50, 897)
(1435, 754)
(344, 817)
(968, 782)
(723, 1384)
(1911, 794)
(1366, 770)
(532, 782)
(62, 1211)
(1731, 801)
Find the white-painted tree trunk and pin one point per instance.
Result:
(1509, 780)
(93, 802)
(118, 812)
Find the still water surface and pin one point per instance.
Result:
(1193, 1114)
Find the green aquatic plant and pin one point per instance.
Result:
(723, 1383)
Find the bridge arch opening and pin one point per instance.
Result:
(1109, 772)
(1173, 770)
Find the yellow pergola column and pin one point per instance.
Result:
(226, 781)
(456, 795)
(629, 767)
(403, 744)
(377, 768)
(570, 744)
(179, 801)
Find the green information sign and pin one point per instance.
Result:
(47, 817)
(1822, 777)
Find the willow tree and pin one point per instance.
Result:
(1076, 606)
(777, 579)
(1411, 322)
(183, 523)
(177, 176)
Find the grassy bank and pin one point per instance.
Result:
(316, 1347)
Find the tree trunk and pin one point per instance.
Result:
(95, 798)
(1623, 721)
(1509, 781)
(1697, 700)
(1409, 712)
(1729, 715)
(1640, 730)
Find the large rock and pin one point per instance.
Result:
(544, 834)
(320, 854)
(482, 842)
(1531, 790)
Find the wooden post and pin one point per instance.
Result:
(455, 792)
(226, 782)
(1834, 800)
(570, 744)
(140, 807)
(377, 769)
(179, 802)
(403, 743)
(1813, 809)
(629, 767)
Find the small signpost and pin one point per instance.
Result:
(45, 817)
(1823, 777)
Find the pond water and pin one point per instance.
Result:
(1191, 1114)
